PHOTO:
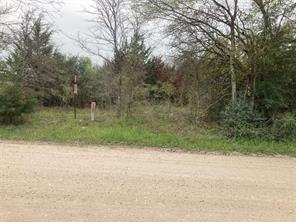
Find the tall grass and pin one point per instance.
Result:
(151, 126)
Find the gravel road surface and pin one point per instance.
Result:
(41, 182)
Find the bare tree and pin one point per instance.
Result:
(108, 30)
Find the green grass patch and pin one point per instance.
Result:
(152, 127)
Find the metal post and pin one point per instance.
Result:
(75, 112)
(75, 91)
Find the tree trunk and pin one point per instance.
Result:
(253, 92)
(232, 68)
(119, 96)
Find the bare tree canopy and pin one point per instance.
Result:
(108, 27)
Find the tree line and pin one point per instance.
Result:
(229, 57)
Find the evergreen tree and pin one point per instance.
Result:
(135, 59)
(31, 61)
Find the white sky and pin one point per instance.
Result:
(72, 20)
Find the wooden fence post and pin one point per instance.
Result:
(93, 110)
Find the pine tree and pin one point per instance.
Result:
(31, 61)
(135, 59)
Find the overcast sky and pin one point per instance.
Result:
(72, 20)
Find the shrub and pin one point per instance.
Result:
(285, 127)
(240, 120)
(13, 104)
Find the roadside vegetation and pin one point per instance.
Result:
(229, 85)
(153, 127)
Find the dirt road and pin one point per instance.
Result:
(62, 183)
